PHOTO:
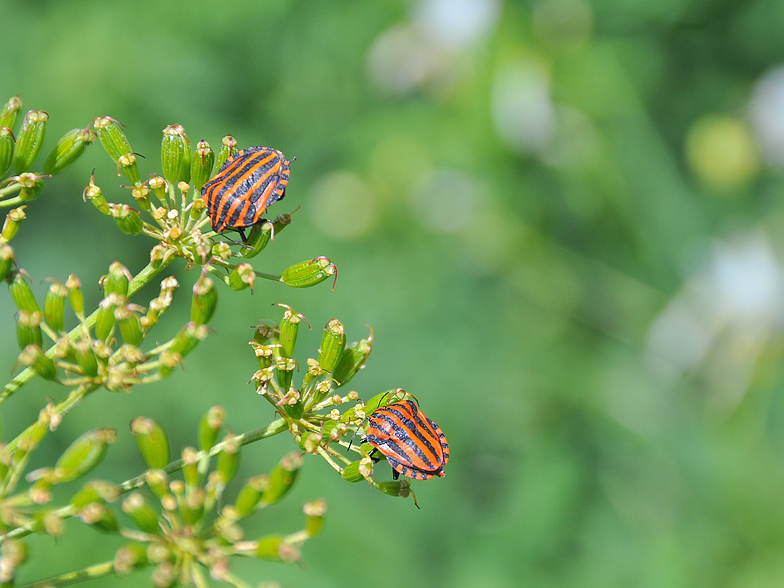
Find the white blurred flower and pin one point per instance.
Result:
(457, 23)
(766, 110)
(720, 322)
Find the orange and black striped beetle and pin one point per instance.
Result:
(247, 184)
(413, 445)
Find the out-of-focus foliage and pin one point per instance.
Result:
(562, 218)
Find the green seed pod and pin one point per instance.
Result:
(401, 488)
(12, 221)
(112, 137)
(30, 140)
(94, 491)
(176, 155)
(352, 360)
(130, 325)
(84, 454)
(158, 482)
(333, 343)
(258, 238)
(99, 516)
(54, 306)
(68, 149)
(127, 164)
(6, 149)
(152, 441)
(242, 276)
(309, 273)
(192, 508)
(75, 297)
(158, 186)
(93, 194)
(9, 112)
(6, 260)
(205, 299)
(28, 329)
(250, 495)
(169, 361)
(139, 511)
(32, 185)
(315, 511)
(209, 426)
(21, 293)
(268, 548)
(201, 166)
(282, 478)
(142, 196)
(358, 470)
(190, 470)
(229, 459)
(127, 219)
(287, 332)
(117, 280)
(285, 372)
(85, 357)
(128, 558)
(104, 323)
(264, 355)
(227, 149)
(33, 356)
(188, 337)
(197, 208)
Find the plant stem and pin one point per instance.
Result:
(89, 573)
(143, 278)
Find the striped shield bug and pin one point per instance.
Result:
(413, 445)
(247, 184)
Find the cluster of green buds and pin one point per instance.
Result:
(104, 349)
(179, 527)
(321, 413)
(176, 212)
(18, 152)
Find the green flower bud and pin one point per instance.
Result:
(242, 276)
(84, 454)
(130, 325)
(68, 149)
(9, 112)
(188, 337)
(152, 441)
(112, 137)
(209, 426)
(227, 149)
(201, 166)
(21, 293)
(282, 478)
(288, 329)
(352, 360)
(175, 155)
(28, 329)
(158, 186)
(6, 260)
(128, 558)
(333, 343)
(33, 356)
(205, 298)
(315, 511)
(30, 140)
(127, 219)
(117, 280)
(309, 273)
(104, 323)
(358, 470)
(31, 184)
(12, 221)
(99, 516)
(75, 297)
(250, 495)
(127, 164)
(85, 357)
(229, 459)
(258, 238)
(6, 149)
(54, 306)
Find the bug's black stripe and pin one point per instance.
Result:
(231, 188)
(442, 439)
(417, 423)
(393, 443)
(413, 473)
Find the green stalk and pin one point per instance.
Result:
(89, 573)
(141, 279)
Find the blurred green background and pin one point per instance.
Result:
(562, 219)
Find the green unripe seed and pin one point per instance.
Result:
(54, 306)
(6, 149)
(21, 293)
(242, 276)
(10, 111)
(258, 238)
(205, 299)
(30, 140)
(201, 166)
(152, 441)
(227, 149)
(12, 221)
(75, 297)
(209, 426)
(28, 329)
(68, 149)
(352, 360)
(175, 155)
(309, 273)
(127, 219)
(333, 343)
(282, 478)
(32, 185)
(84, 454)
(250, 495)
